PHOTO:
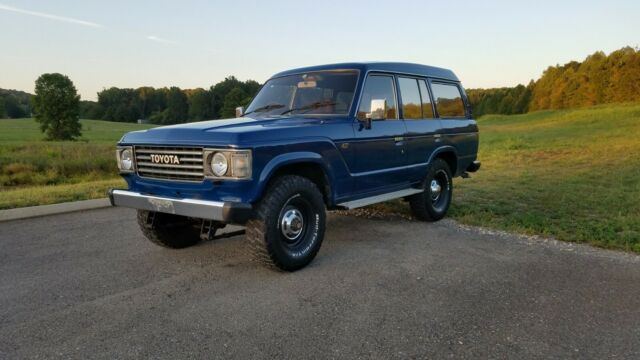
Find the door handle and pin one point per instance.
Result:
(399, 140)
(437, 137)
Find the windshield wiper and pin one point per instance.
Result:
(313, 106)
(264, 108)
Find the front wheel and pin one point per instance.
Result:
(433, 203)
(288, 227)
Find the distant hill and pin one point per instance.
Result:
(599, 79)
(14, 104)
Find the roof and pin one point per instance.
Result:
(395, 67)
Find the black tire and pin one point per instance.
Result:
(167, 230)
(431, 205)
(288, 226)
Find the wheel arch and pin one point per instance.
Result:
(450, 155)
(307, 164)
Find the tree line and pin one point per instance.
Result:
(599, 79)
(170, 105)
(14, 104)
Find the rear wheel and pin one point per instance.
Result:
(167, 230)
(433, 203)
(289, 223)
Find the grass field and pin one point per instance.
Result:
(34, 171)
(573, 175)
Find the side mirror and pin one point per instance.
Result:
(377, 112)
(239, 111)
(378, 109)
(366, 122)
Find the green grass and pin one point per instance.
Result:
(573, 175)
(20, 131)
(34, 171)
(40, 195)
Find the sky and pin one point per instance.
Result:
(133, 43)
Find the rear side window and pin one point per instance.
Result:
(411, 102)
(448, 100)
(427, 109)
(378, 87)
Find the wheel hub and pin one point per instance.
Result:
(292, 224)
(435, 189)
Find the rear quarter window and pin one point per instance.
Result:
(448, 100)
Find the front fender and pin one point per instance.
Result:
(321, 153)
(291, 158)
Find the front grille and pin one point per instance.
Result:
(189, 167)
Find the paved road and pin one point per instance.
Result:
(87, 285)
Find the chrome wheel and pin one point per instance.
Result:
(292, 224)
(435, 189)
(439, 189)
(433, 203)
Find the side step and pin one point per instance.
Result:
(379, 198)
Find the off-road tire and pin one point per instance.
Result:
(423, 206)
(170, 231)
(265, 233)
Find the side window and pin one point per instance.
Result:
(448, 100)
(411, 107)
(427, 109)
(378, 87)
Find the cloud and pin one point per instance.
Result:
(160, 40)
(50, 16)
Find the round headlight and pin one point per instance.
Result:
(126, 159)
(219, 164)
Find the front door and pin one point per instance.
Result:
(380, 160)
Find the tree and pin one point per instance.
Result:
(177, 106)
(200, 105)
(91, 110)
(119, 104)
(234, 98)
(57, 107)
(163, 105)
(12, 108)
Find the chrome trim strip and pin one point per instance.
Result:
(183, 159)
(202, 209)
(150, 164)
(379, 198)
(171, 172)
(145, 150)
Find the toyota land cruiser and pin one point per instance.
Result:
(336, 136)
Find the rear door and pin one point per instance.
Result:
(422, 126)
(380, 159)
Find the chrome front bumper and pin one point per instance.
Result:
(228, 212)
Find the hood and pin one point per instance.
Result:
(223, 132)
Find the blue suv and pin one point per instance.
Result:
(336, 136)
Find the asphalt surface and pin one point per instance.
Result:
(88, 285)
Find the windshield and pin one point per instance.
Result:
(312, 93)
